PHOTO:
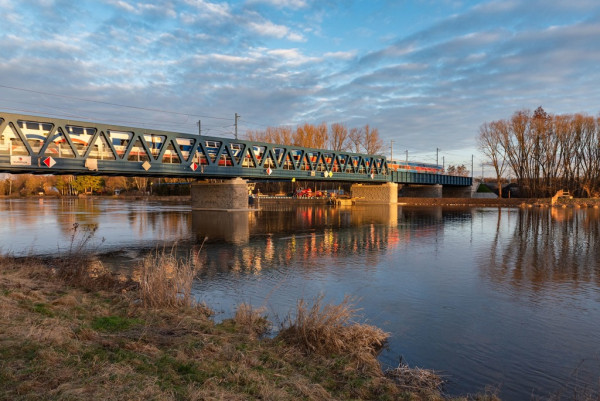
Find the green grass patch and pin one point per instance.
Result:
(42, 309)
(484, 189)
(113, 324)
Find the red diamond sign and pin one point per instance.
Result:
(49, 161)
(194, 166)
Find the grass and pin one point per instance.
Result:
(94, 335)
(331, 329)
(166, 280)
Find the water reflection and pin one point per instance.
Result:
(545, 247)
(311, 234)
(232, 227)
(39, 226)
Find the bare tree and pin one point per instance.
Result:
(489, 141)
(355, 144)
(372, 142)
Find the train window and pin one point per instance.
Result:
(170, 156)
(185, 147)
(138, 152)
(101, 150)
(58, 146)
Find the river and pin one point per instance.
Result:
(503, 298)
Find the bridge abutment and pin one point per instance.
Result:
(222, 195)
(421, 191)
(386, 193)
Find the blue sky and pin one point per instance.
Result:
(426, 73)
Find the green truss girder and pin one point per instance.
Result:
(129, 151)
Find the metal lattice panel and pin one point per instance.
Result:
(42, 145)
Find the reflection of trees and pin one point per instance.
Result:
(558, 246)
(85, 212)
(142, 219)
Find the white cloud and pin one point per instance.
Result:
(292, 4)
(296, 37)
(268, 28)
(340, 55)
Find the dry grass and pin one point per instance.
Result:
(332, 329)
(416, 379)
(251, 321)
(166, 281)
(70, 342)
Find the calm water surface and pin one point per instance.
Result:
(508, 298)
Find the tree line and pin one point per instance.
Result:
(68, 185)
(336, 137)
(544, 152)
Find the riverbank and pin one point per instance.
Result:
(84, 333)
(512, 202)
(277, 200)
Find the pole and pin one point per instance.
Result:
(437, 153)
(407, 155)
(236, 124)
(472, 166)
(391, 149)
(443, 163)
(199, 128)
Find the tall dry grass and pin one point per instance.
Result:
(332, 329)
(251, 321)
(166, 280)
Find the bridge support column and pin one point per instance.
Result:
(225, 195)
(386, 193)
(421, 191)
(457, 192)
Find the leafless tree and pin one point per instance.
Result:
(489, 141)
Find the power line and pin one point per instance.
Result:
(112, 104)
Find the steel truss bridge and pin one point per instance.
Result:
(44, 145)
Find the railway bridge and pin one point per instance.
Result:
(45, 145)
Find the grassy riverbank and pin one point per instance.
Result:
(71, 330)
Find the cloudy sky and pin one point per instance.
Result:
(426, 73)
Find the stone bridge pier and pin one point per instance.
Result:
(386, 193)
(226, 195)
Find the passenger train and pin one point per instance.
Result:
(36, 134)
(418, 167)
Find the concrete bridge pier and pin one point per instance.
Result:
(421, 191)
(386, 193)
(227, 195)
(458, 192)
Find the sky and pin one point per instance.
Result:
(427, 74)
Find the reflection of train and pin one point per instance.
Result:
(415, 167)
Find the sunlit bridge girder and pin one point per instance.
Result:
(44, 145)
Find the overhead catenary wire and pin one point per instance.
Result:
(113, 104)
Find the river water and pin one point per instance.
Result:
(503, 298)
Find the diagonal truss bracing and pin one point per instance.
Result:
(44, 145)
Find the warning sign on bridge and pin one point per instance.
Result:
(49, 162)
(20, 160)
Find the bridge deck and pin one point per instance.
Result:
(43, 145)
